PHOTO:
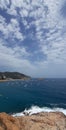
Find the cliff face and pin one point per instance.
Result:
(41, 121)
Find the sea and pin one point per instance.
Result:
(31, 96)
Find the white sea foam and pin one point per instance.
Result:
(36, 109)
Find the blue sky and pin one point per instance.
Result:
(33, 37)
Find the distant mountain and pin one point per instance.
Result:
(12, 75)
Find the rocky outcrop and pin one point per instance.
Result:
(41, 121)
(8, 122)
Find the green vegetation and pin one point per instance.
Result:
(12, 75)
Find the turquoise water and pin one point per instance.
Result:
(15, 96)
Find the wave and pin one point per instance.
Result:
(37, 109)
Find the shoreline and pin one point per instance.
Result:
(14, 80)
(36, 109)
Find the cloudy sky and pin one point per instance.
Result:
(33, 37)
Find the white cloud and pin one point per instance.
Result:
(4, 4)
(50, 32)
(15, 59)
(11, 30)
(16, 51)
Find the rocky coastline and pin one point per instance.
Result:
(40, 121)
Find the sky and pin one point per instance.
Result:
(33, 37)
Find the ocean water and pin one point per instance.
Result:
(33, 96)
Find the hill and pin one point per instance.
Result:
(12, 75)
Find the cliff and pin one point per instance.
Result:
(41, 121)
(12, 75)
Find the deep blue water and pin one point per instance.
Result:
(15, 96)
